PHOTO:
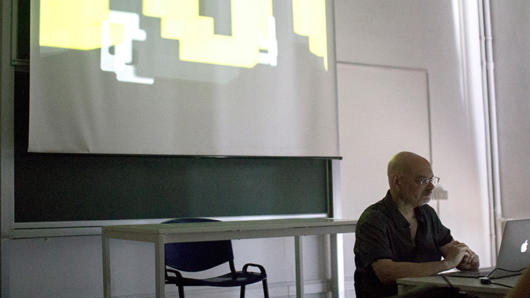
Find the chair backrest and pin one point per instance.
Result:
(197, 256)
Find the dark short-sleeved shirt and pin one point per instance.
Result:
(383, 233)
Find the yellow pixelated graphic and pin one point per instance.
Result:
(180, 20)
(75, 24)
(309, 19)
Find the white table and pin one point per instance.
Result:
(160, 234)
(469, 285)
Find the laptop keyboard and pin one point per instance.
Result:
(472, 274)
(497, 273)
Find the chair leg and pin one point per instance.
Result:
(265, 289)
(242, 295)
(181, 291)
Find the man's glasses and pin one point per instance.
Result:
(424, 180)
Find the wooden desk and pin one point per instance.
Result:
(160, 234)
(469, 285)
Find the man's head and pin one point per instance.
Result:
(408, 177)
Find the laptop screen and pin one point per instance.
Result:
(514, 253)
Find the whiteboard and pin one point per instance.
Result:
(382, 111)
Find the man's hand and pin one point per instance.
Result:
(469, 262)
(455, 253)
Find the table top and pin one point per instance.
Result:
(464, 283)
(220, 230)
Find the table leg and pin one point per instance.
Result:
(337, 266)
(299, 267)
(106, 266)
(160, 265)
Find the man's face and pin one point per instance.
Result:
(413, 191)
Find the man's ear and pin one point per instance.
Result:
(396, 182)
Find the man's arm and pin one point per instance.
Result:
(388, 271)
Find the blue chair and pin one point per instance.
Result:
(199, 256)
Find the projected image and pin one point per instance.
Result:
(223, 69)
(91, 24)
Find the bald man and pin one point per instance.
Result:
(401, 236)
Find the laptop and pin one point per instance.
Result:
(514, 254)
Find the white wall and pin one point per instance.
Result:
(511, 55)
(71, 267)
(424, 35)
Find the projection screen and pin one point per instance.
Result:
(229, 78)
